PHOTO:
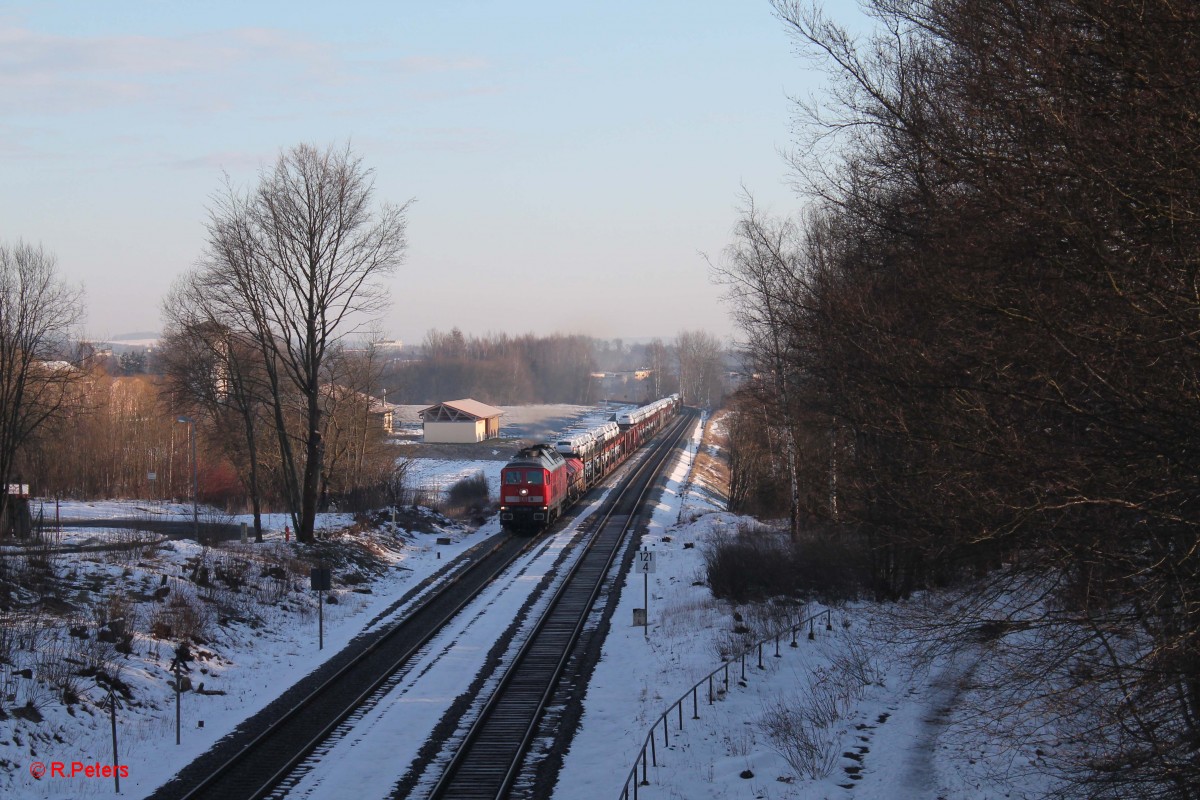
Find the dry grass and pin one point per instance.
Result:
(710, 470)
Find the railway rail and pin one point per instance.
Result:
(487, 762)
(249, 766)
(252, 762)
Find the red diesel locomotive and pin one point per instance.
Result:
(542, 481)
(533, 487)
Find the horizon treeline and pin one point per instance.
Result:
(500, 369)
(114, 431)
(979, 352)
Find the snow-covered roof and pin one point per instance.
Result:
(458, 409)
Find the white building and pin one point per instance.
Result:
(460, 421)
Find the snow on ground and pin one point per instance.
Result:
(439, 474)
(52, 510)
(537, 421)
(896, 733)
(405, 712)
(249, 665)
(109, 509)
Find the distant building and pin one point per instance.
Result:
(461, 421)
(380, 411)
(385, 413)
(633, 386)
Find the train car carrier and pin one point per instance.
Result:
(544, 480)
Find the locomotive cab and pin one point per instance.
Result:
(532, 489)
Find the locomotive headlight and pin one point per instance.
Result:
(524, 492)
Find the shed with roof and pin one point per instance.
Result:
(460, 421)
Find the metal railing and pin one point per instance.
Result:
(649, 746)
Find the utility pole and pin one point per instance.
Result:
(195, 478)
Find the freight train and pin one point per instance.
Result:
(544, 480)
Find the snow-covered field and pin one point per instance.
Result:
(248, 664)
(150, 510)
(538, 421)
(892, 736)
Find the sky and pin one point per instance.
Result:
(570, 162)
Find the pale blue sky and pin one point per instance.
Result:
(570, 161)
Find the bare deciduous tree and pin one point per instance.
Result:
(1000, 324)
(214, 372)
(701, 359)
(296, 265)
(764, 270)
(37, 315)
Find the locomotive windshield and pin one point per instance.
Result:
(533, 477)
(513, 476)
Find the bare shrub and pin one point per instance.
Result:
(278, 567)
(36, 694)
(21, 630)
(131, 545)
(119, 612)
(469, 492)
(54, 677)
(801, 734)
(756, 562)
(232, 570)
(854, 662)
(183, 618)
(766, 619)
(828, 698)
(750, 564)
(8, 635)
(728, 644)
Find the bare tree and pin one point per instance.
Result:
(357, 455)
(764, 271)
(1004, 333)
(296, 265)
(497, 368)
(214, 370)
(658, 359)
(701, 359)
(37, 315)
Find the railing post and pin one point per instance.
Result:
(652, 757)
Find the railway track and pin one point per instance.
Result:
(271, 744)
(487, 761)
(252, 762)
